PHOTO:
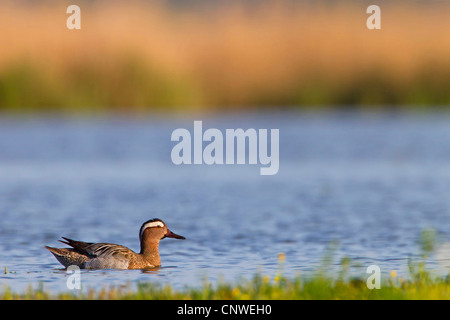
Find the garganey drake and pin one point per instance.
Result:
(87, 255)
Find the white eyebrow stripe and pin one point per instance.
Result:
(154, 224)
(151, 225)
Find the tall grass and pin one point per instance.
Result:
(138, 56)
(420, 284)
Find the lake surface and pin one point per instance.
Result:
(365, 184)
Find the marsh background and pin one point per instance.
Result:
(87, 117)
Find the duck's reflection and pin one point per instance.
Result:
(156, 270)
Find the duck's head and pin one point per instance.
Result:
(156, 230)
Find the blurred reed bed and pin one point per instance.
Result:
(257, 288)
(421, 285)
(139, 56)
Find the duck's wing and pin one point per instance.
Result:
(97, 250)
(78, 246)
(107, 249)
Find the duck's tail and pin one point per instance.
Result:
(68, 257)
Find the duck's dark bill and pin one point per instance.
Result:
(170, 234)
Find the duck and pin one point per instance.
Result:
(88, 255)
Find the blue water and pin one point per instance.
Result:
(365, 184)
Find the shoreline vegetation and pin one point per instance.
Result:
(419, 284)
(138, 57)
